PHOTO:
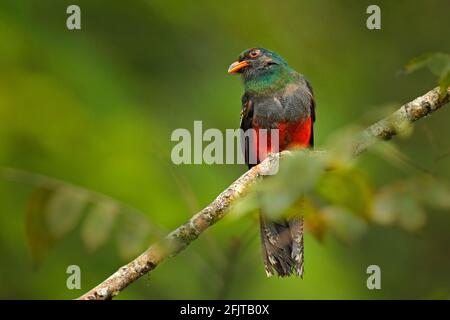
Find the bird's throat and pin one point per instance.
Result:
(267, 83)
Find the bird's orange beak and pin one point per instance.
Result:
(236, 66)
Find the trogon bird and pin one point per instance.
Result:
(276, 97)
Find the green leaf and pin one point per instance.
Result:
(341, 147)
(313, 219)
(444, 83)
(297, 175)
(438, 63)
(64, 210)
(418, 62)
(411, 215)
(98, 224)
(399, 204)
(244, 205)
(133, 235)
(344, 225)
(434, 192)
(384, 208)
(390, 152)
(39, 238)
(348, 188)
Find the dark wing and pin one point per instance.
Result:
(246, 112)
(313, 112)
(246, 123)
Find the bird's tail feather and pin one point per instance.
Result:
(282, 246)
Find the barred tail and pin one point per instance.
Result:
(282, 246)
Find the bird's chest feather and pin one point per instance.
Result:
(289, 112)
(292, 104)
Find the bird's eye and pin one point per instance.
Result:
(254, 54)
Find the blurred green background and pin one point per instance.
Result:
(96, 107)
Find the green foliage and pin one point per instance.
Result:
(341, 199)
(437, 63)
(403, 202)
(344, 224)
(297, 175)
(434, 192)
(64, 209)
(55, 209)
(347, 188)
(39, 237)
(133, 235)
(396, 204)
(99, 224)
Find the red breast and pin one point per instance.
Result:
(291, 135)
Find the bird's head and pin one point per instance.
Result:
(256, 62)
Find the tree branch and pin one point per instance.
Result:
(181, 237)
